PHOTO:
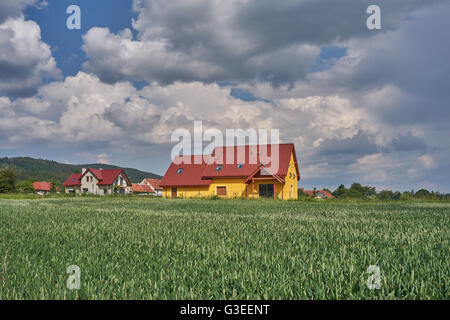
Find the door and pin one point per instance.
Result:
(266, 190)
(174, 192)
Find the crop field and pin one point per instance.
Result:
(146, 248)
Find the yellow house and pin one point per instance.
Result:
(256, 171)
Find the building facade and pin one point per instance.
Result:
(250, 176)
(98, 181)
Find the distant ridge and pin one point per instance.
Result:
(45, 170)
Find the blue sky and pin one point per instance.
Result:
(349, 98)
(65, 43)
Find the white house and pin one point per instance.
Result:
(98, 181)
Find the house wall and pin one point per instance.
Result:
(187, 192)
(290, 189)
(71, 189)
(89, 184)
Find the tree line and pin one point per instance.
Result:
(9, 183)
(360, 192)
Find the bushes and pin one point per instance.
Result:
(8, 180)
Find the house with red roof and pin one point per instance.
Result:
(98, 181)
(154, 185)
(250, 171)
(318, 194)
(73, 183)
(141, 189)
(42, 188)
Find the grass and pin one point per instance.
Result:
(151, 248)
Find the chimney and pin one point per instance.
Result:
(83, 170)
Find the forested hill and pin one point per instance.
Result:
(46, 170)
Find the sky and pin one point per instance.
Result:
(360, 105)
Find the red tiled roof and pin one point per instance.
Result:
(191, 175)
(141, 188)
(73, 180)
(242, 166)
(327, 194)
(252, 157)
(105, 176)
(42, 186)
(154, 183)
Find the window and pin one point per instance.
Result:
(240, 165)
(221, 191)
(219, 167)
(180, 170)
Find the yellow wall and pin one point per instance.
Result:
(187, 192)
(236, 188)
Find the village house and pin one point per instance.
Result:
(318, 194)
(154, 185)
(42, 188)
(98, 181)
(141, 189)
(193, 176)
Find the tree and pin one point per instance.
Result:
(25, 186)
(7, 180)
(356, 191)
(385, 195)
(55, 185)
(301, 193)
(422, 194)
(340, 192)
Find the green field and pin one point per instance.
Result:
(145, 248)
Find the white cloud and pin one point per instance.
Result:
(24, 58)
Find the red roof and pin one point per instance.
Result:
(155, 183)
(141, 188)
(190, 175)
(42, 186)
(73, 180)
(105, 176)
(326, 193)
(217, 165)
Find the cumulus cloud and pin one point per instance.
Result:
(14, 8)
(243, 41)
(377, 115)
(24, 59)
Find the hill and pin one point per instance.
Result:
(45, 170)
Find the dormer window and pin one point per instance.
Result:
(219, 167)
(180, 170)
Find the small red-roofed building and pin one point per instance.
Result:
(318, 194)
(42, 188)
(141, 189)
(154, 184)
